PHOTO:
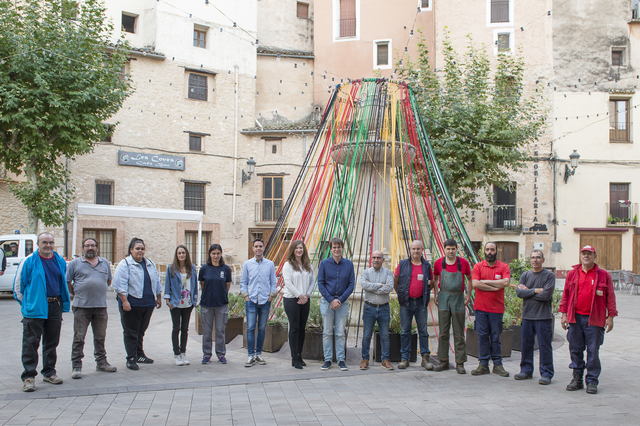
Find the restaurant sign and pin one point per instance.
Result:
(155, 161)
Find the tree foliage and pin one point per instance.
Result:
(477, 118)
(60, 79)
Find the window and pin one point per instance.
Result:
(194, 196)
(303, 10)
(499, 11)
(619, 205)
(424, 4)
(106, 241)
(382, 54)
(274, 149)
(200, 37)
(109, 128)
(503, 42)
(617, 58)
(190, 239)
(347, 18)
(271, 198)
(198, 87)
(195, 143)
(619, 121)
(104, 192)
(504, 207)
(129, 23)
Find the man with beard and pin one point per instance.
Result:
(88, 278)
(490, 277)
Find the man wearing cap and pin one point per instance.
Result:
(588, 306)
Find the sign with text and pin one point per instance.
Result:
(155, 161)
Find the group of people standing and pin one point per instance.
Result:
(587, 306)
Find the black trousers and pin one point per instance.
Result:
(180, 318)
(134, 325)
(33, 329)
(298, 315)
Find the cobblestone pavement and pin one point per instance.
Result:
(231, 394)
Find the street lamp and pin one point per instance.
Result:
(573, 157)
(251, 167)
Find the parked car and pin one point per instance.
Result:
(16, 247)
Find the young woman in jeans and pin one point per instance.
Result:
(298, 285)
(181, 295)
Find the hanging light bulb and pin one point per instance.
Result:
(278, 58)
(411, 34)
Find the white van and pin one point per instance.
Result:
(15, 247)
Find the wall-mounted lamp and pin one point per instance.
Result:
(574, 157)
(251, 167)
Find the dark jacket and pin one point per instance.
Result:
(404, 281)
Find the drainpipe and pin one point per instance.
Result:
(235, 153)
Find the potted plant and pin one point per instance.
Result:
(473, 348)
(276, 334)
(312, 348)
(395, 330)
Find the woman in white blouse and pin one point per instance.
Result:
(299, 280)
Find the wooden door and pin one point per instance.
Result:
(608, 248)
(507, 251)
(282, 244)
(254, 233)
(636, 254)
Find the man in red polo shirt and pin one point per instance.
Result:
(588, 306)
(490, 277)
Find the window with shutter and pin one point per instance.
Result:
(198, 87)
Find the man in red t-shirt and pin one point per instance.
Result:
(490, 277)
(588, 306)
(448, 293)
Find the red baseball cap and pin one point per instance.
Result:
(588, 248)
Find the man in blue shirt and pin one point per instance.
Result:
(42, 292)
(258, 287)
(336, 281)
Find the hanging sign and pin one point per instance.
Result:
(155, 161)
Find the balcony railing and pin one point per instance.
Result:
(499, 11)
(622, 214)
(504, 219)
(347, 27)
(620, 131)
(267, 211)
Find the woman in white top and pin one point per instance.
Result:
(299, 280)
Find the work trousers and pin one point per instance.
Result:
(489, 328)
(207, 316)
(447, 319)
(34, 329)
(583, 336)
(544, 330)
(98, 319)
(414, 308)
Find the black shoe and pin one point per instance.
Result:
(522, 376)
(296, 363)
(592, 388)
(326, 366)
(304, 364)
(342, 366)
(144, 360)
(544, 380)
(132, 365)
(576, 382)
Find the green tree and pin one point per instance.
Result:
(60, 79)
(477, 118)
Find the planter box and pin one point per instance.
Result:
(232, 330)
(275, 337)
(517, 336)
(312, 348)
(395, 354)
(506, 338)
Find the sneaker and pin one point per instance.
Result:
(178, 359)
(132, 365)
(326, 366)
(205, 359)
(260, 360)
(222, 360)
(105, 366)
(29, 385)
(425, 363)
(544, 380)
(403, 364)
(342, 366)
(76, 373)
(444, 365)
(521, 376)
(387, 365)
(482, 369)
(144, 360)
(250, 361)
(592, 388)
(364, 364)
(460, 368)
(185, 361)
(500, 371)
(53, 379)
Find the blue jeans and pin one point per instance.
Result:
(415, 308)
(544, 330)
(256, 314)
(333, 323)
(371, 314)
(489, 328)
(581, 335)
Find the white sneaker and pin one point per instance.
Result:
(76, 373)
(260, 360)
(178, 359)
(185, 361)
(250, 361)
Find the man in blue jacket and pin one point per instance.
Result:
(42, 292)
(336, 281)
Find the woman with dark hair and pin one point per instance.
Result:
(137, 283)
(299, 281)
(215, 281)
(181, 295)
